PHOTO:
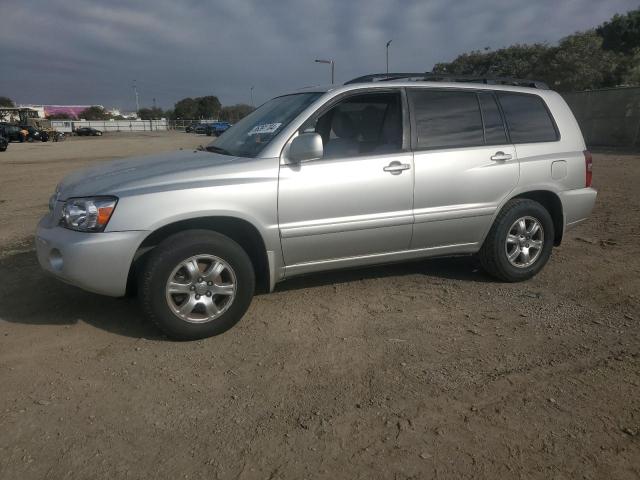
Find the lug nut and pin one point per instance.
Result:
(199, 279)
(197, 297)
(208, 294)
(209, 283)
(192, 287)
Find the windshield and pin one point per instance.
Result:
(250, 135)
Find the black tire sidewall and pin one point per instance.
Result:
(175, 250)
(524, 208)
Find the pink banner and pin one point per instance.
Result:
(73, 111)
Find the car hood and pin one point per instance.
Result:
(152, 173)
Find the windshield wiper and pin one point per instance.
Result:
(214, 149)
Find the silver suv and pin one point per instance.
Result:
(360, 174)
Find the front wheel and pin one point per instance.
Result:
(196, 284)
(520, 241)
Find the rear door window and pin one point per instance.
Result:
(527, 118)
(446, 119)
(494, 130)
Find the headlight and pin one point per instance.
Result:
(89, 214)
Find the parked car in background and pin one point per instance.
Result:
(10, 132)
(321, 179)
(88, 131)
(191, 127)
(201, 128)
(4, 143)
(34, 134)
(216, 128)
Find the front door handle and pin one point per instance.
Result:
(501, 157)
(396, 168)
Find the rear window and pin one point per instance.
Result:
(446, 119)
(527, 118)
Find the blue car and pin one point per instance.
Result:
(217, 128)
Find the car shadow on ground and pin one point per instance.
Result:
(464, 268)
(31, 297)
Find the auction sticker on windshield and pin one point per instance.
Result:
(265, 128)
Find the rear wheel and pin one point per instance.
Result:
(520, 241)
(196, 284)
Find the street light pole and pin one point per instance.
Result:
(135, 89)
(388, 43)
(252, 95)
(333, 65)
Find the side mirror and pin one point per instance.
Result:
(306, 146)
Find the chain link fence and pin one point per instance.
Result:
(608, 117)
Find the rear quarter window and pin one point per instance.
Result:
(528, 118)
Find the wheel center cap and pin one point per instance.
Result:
(201, 288)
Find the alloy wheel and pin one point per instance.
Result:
(201, 288)
(524, 242)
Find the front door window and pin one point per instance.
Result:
(367, 124)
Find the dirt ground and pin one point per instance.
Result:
(423, 370)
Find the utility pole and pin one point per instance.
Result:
(333, 64)
(252, 96)
(154, 103)
(388, 43)
(135, 90)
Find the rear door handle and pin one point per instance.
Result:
(501, 157)
(396, 168)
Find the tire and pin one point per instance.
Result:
(494, 254)
(167, 261)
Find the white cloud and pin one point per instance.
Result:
(85, 51)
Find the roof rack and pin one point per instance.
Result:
(449, 77)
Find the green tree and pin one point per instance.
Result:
(630, 68)
(94, 113)
(208, 107)
(6, 102)
(153, 113)
(187, 108)
(622, 33)
(580, 63)
(197, 108)
(520, 61)
(233, 113)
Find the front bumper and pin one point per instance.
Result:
(97, 262)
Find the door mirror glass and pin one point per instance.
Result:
(306, 146)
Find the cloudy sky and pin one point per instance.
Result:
(90, 51)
